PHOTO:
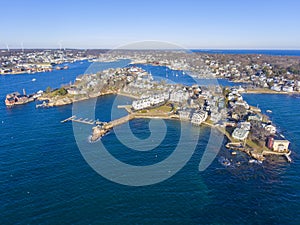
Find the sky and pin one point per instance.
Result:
(194, 24)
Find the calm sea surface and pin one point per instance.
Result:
(45, 179)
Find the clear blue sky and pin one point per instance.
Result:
(244, 24)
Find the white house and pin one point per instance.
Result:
(270, 128)
(287, 88)
(199, 117)
(276, 87)
(141, 104)
(157, 99)
(76, 91)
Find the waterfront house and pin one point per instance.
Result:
(278, 144)
(276, 87)
(287, 88)
(156, 99)
(141, 104)
(270, 128)
(199, 117)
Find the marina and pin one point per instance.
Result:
(80, 120)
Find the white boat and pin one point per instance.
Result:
(33, 79)
(269, 111)
(255, 161)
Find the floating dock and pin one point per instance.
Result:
(80, 120)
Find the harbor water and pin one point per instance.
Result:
(45, 179)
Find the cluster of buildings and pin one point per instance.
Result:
(31, 61)
(192, 103)
(16, 98)
(245, 120)
(262, 75)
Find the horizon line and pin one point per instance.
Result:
(207, 49)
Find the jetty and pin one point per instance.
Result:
(118, 122)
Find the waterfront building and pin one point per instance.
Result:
(276, 87)
(278, 144)
(270, 128)
(287, 88)
(199, 117)
(156, 99)
(141, 104)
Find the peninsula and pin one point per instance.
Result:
(246, 128)
(223, 108)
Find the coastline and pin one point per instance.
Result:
(269, 91)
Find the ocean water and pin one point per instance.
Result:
(45, 179)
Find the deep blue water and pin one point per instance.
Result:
(250, 51)
(45, 179)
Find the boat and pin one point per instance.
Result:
(33, 79)
(255, 161)
(269, 111)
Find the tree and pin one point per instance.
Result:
(258, 133)
(62, 91)
(240, 111)
(48, 89)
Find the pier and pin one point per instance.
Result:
(284, 154)
(80, 120)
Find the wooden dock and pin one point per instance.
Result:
(79, 120)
